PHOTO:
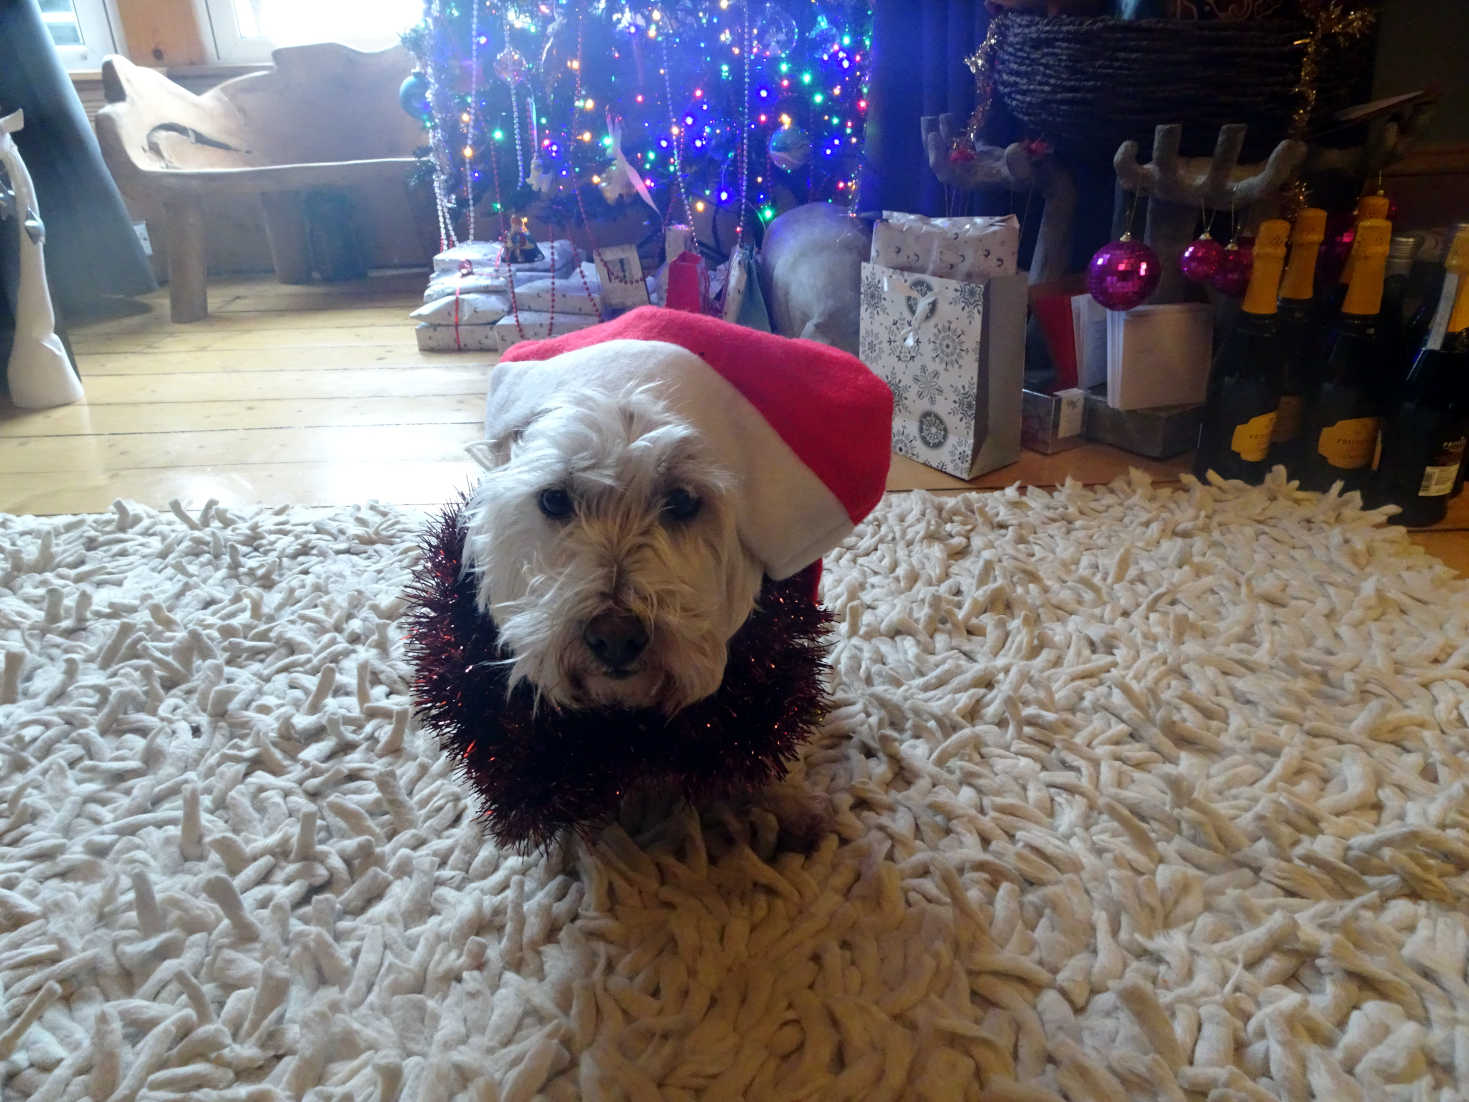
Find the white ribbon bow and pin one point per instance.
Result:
(925, 309)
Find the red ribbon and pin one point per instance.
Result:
(465, 268)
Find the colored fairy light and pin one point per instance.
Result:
(818, 98)
(805, 78)
(468, 152)
(699, 205)
(498, 135)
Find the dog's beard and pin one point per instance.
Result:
(689, 583)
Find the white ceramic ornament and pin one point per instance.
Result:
(39, 373)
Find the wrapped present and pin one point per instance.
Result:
(458, 338)
(953, 353)
(562, 296)
(485, 255)
(533, 324)
(464, 309)
(967, 249)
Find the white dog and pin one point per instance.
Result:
(643, 477)
(607, 553)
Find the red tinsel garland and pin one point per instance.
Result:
(539, 771)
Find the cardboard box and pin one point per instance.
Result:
(1051, 423)
(1158, 433)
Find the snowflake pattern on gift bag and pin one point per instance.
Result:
(926, 386)
(968, 297)
(962, 402)
(872, 291)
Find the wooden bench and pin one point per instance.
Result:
(325, 116)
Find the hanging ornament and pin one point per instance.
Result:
(775, 31)
(1123, 273)
(413, 94)
(510, 66)
(1233, 275)
(790, 148)
(539, 177)
(1201, 259)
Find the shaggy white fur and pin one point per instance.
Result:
(1139, 794)
(614, 548)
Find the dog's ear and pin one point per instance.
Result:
(483, 453)
(495, 452)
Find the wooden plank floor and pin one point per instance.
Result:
(318, 395)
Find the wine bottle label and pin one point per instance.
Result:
(1348, 445)
(1440, 475)
(1287, 419)
(1251, 440)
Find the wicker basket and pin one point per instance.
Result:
(1088, 85)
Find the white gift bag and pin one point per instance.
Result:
(954, 355)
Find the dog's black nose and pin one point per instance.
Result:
(615, 638)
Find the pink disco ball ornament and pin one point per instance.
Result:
(1233, 275)
(1123, 273)
(1200, 261)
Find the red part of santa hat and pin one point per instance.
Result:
(833, 414)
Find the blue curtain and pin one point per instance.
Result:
(918, 51)
(91, 250)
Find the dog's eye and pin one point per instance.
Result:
(681, 505)
(555, 503)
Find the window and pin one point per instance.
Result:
(81, 29)
(247, 30)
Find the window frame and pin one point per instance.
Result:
(101, 31)
(218, 22)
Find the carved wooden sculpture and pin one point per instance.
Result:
(1015, 169)
(1178, 188)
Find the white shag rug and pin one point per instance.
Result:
(1141, 794)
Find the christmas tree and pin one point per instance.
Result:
(571, 111)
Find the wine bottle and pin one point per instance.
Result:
(1297, 321)
(1392, 327)
(1245, 378)
(1368, 206)
(1423, 440)
(1432, 289)
(1342, 422)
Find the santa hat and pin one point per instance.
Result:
(805, 428)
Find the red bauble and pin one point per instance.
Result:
(1123, 274)
(1200, 261)
(1233, 275)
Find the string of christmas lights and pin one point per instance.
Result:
(674, 79)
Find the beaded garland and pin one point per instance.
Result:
(540, 770)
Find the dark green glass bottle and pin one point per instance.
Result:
(1298, 321)
(1245, 378)
(1423, 441)
(1344, 417)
